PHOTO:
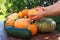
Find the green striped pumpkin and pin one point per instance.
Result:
(46, 25)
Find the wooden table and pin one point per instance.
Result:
(46, 36)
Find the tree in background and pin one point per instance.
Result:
(17, 5)
(2, 6)
(2, 9)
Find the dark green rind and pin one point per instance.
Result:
(17, 32)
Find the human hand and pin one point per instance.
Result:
(36, 13)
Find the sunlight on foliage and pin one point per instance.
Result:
(2, 9)
(2, 6)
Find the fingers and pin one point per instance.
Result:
(38, 14)
(40, 8)
(33, 14)
(34, 18)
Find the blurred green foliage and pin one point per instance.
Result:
(17, 5)
(9, 6)
(2, 6)
(2, 9)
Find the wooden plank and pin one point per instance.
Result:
(46, 36)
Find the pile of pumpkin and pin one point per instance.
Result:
(20, 24)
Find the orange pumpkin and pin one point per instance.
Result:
(23, 13)
(33, 28)
(9, 22)
(25, 23)
(21, 23)
(20, 14)
(10, 19)
(13, 16)
(32, 11)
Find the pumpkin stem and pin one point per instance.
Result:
(17, 18)
(32, 21)
(25, 16)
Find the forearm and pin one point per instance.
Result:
(52, 9)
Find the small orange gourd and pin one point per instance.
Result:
(23, 13)
(32, 11)
(11, 19)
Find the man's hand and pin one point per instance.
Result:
(37, 15)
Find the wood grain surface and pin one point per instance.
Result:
(41, 36)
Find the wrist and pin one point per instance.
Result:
(49, 11)
(44, 12)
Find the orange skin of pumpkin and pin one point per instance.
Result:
(11, 19)
(25, 23)
(21, 23)
(9, 22)
(33, 28)
(23, 13)
(32, 11)
(13, 16)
